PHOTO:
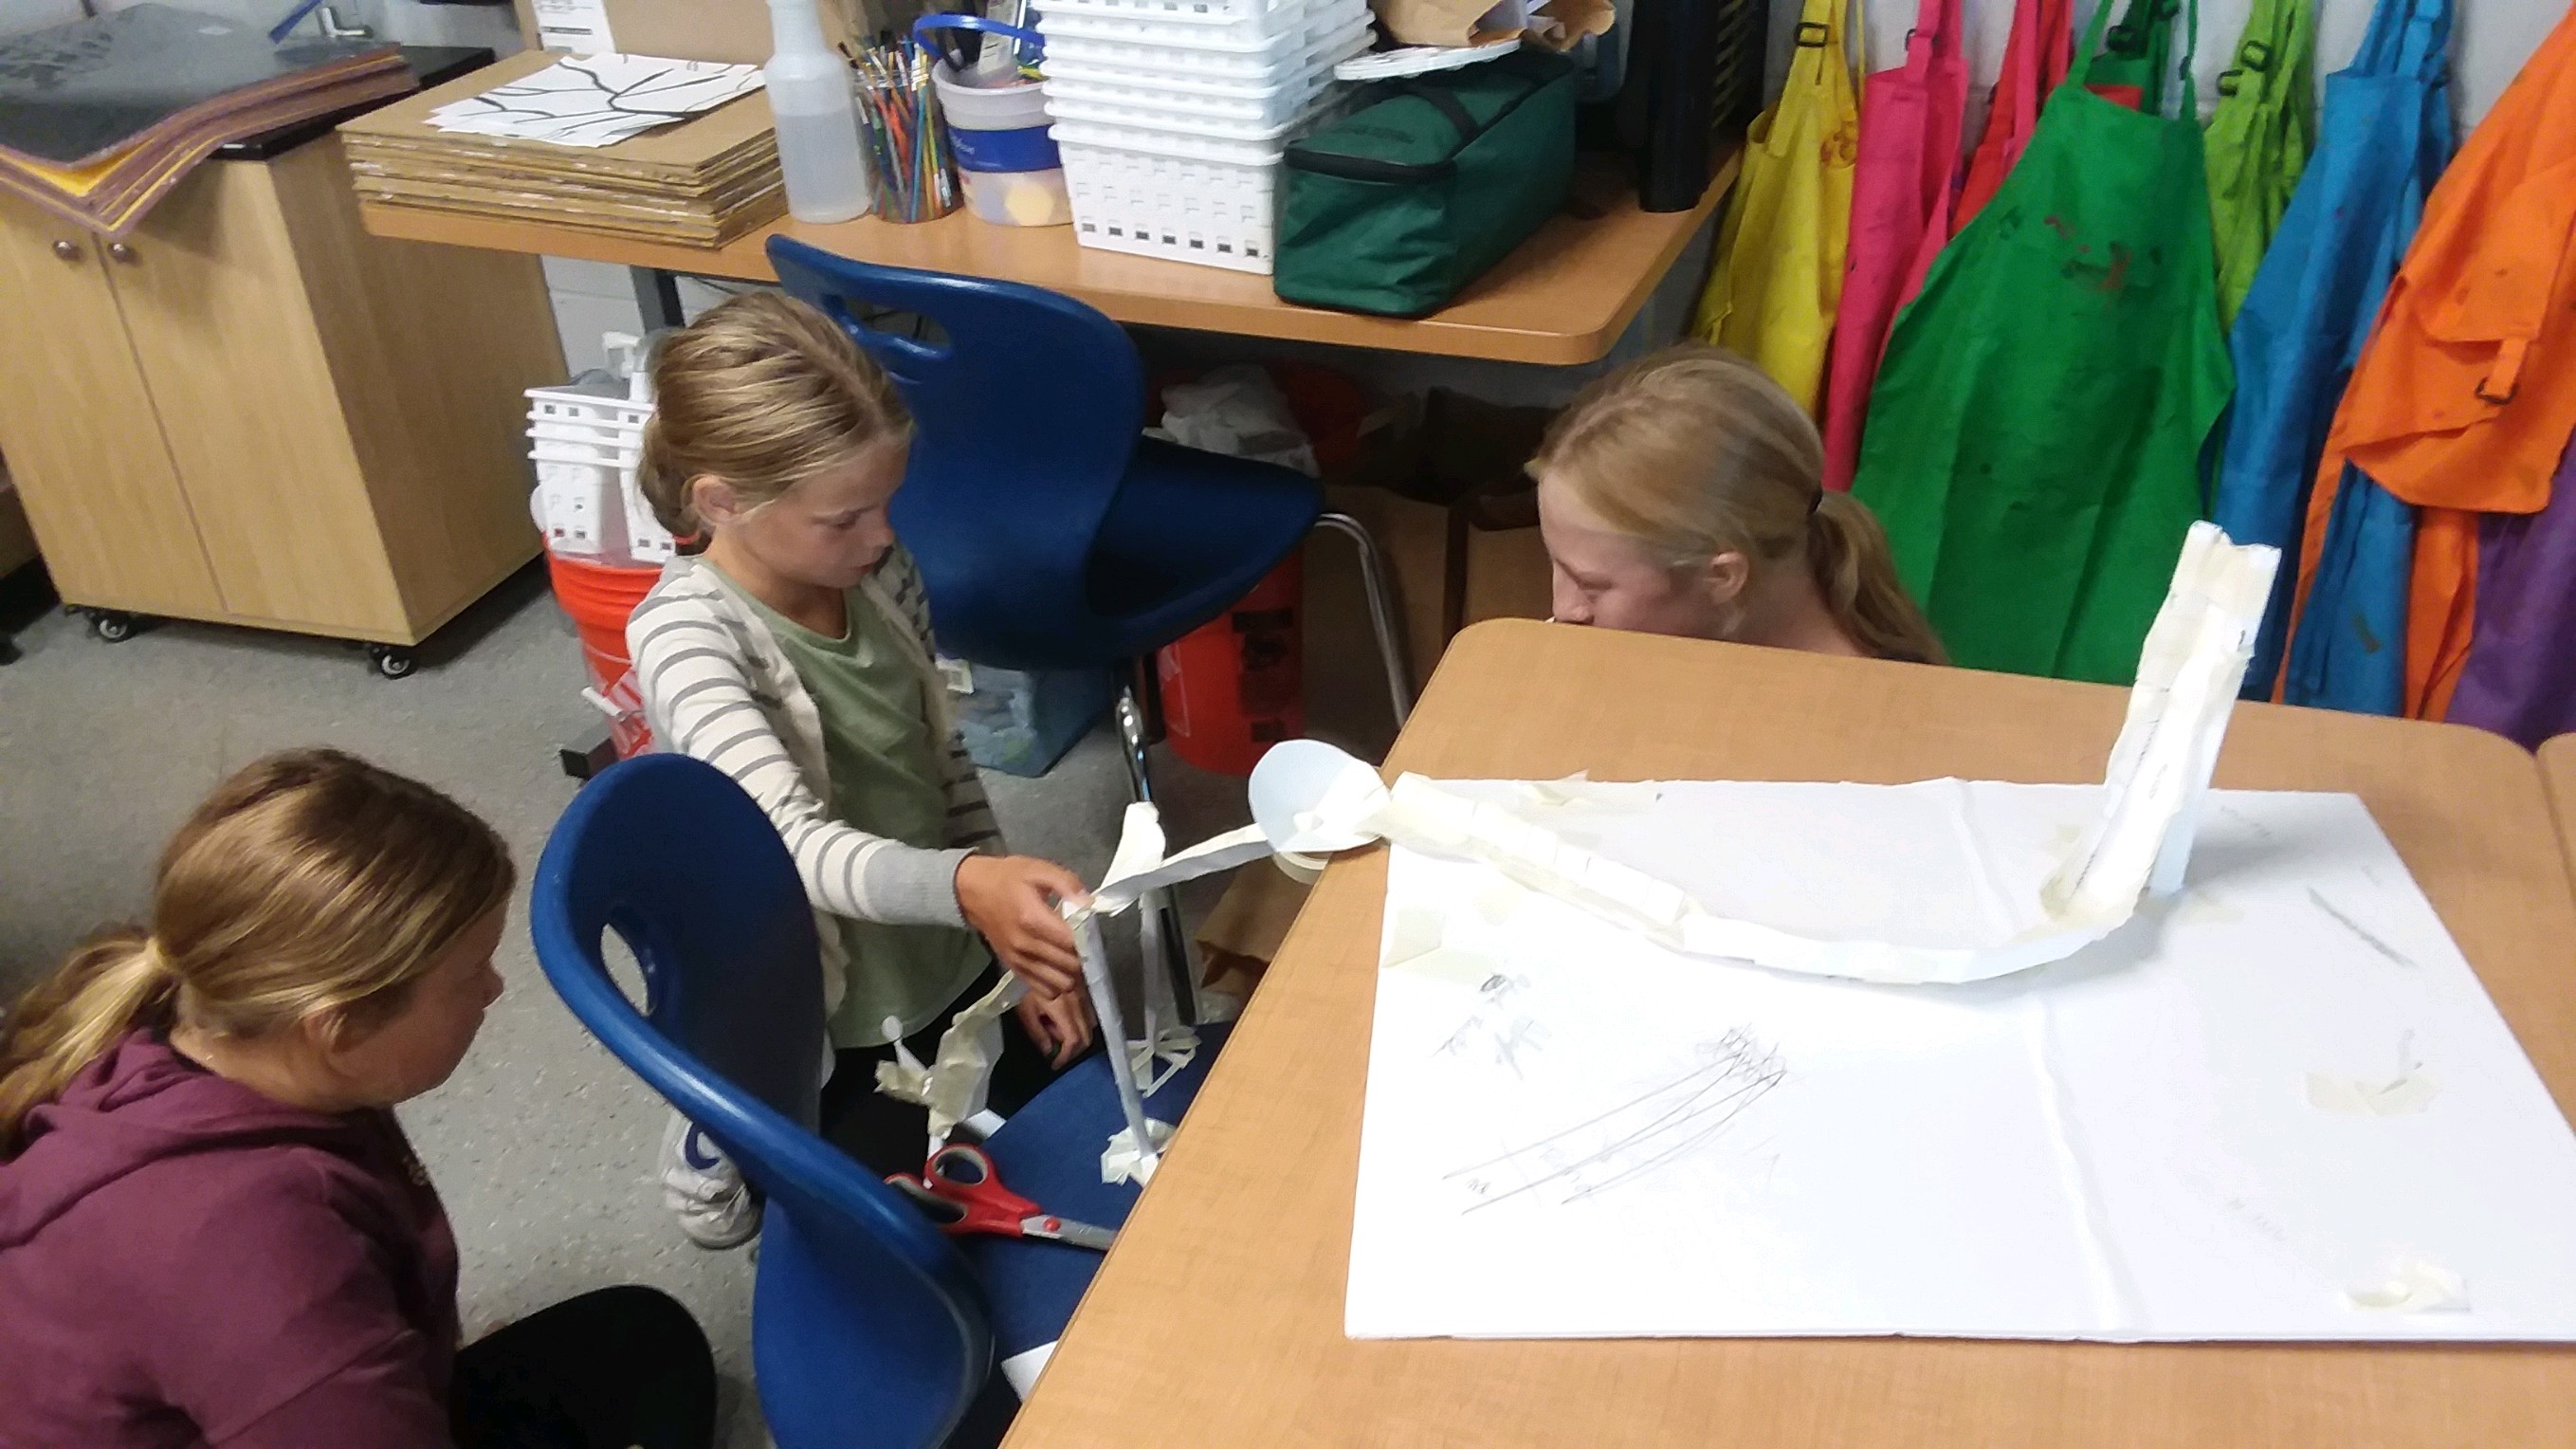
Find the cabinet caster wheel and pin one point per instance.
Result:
(114, 627)
(391, 662)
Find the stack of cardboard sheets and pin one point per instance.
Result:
(99, 118)
(701, 183)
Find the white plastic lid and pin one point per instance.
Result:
(1311, 798)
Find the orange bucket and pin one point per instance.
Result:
(1235, 686)
(599, 597)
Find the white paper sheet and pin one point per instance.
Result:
(598, 100)
(1573, 1131)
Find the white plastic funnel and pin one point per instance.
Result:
(1311, 798)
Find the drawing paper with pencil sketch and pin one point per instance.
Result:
(2275, 1106)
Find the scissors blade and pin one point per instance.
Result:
(948, 1216)
(1065, 1230)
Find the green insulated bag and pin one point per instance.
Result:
(1395, 207)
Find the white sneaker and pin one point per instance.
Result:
(703, 1188)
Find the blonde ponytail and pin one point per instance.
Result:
(1857, 575)
(110, 986)
(1697, 453)
(309, 881)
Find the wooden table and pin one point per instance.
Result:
(1563, 297)
(1217, 1320)
(2558, 765)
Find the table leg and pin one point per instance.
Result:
(657, 295)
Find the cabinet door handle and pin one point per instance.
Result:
(69, 251)
(122, 252)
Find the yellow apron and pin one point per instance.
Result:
(1779, 272)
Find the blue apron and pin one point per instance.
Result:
(2383, 139)
(2350, 652)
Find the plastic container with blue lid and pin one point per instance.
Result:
(1006, 157)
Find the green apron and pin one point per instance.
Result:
(2034, 437)
(2259, 138)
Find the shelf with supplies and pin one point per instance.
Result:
(1563, 297)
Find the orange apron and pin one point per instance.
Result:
(2465, 394)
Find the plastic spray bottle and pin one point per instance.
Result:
(811, 94)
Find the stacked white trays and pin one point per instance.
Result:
(1171, 115)
(587, 447)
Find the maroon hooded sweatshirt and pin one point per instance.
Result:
(185, 1262)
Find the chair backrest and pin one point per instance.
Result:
(1025, 418)
(868, 1326)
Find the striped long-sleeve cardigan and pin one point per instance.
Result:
(716, 686)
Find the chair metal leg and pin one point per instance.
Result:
(1174, 941)
(1131, 738)
(1381, 606)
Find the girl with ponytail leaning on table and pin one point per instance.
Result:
(1682, 494)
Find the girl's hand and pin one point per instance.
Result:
(1061, 1024)
(1010, 901)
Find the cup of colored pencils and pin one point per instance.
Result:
(906, 139)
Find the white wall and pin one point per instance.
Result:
(2490, 39)
(594, 297)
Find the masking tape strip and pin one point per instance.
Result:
(954, 1084)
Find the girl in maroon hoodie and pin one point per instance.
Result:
(212, 1232)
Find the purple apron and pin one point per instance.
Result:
(2521, 676)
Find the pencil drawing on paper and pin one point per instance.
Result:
(1642, 1134)
(1497, 1032)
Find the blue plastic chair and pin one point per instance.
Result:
(868, 1326)
(1050, 532)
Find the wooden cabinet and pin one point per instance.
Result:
(250, 411)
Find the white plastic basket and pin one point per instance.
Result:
(573, 406)
(1150, 128)
(588, 448)
(1278, 32)
(592, 435)
(1121, 97)
(1226, 75)
(1212, 207)
(1196, 195)
(1196, 14)
(1187, 52)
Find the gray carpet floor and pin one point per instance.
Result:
(541, 1144)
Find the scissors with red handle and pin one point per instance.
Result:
(963, 1193)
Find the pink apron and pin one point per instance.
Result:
(1902, 186)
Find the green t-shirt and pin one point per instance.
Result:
(886, 780)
